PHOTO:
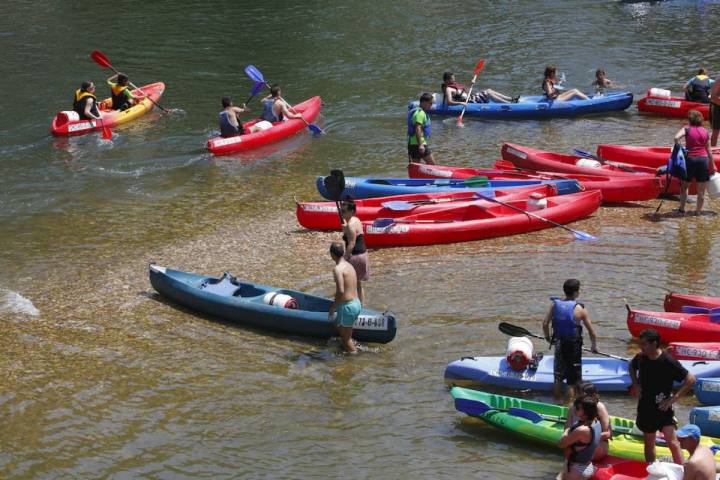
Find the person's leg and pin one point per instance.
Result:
(672, 443)
(714, 137)
(700, 197)
(429, 159)
(361, 297)
(649, 439)
(497, 97)
(572, 94)
(683, 196)
(346, 339)
(601, 451)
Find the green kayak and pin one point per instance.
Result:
(545, 423)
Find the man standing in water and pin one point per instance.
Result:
(418, 123)
(657, 371)
(567, 318)
(346, 302)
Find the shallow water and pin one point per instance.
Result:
(102, 378)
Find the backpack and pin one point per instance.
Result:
(676, 166)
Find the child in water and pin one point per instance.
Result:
(601, 82)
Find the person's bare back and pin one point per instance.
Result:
(701, 465)
(347, 290)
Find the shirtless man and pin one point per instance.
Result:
(701, 464)
(230, 125)
(346, 302)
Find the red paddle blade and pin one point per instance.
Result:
(459, 121)
(478, 68)
(100, 59)
(106, 134)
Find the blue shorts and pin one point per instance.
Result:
(347, 313)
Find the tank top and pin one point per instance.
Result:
(227, 129)
(696, 140)
(268, 113)
(585, 454)
(359, 244)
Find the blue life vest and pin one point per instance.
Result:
(563, 320)
(676, 166)
(585, 454)
(227, 129)
(411, 127)
(699, 89)
(268, 113)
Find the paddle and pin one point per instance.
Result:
(477, 181)
(478, 68)
(106, 133)
(517, 331)
(402, 205)
(257, 76)
(584, 154)
(578, 234)
(386, 222)
(255, 90)
(335, 184)
(103, 61)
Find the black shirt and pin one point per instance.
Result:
(657, 377)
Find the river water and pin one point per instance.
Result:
(103, 379)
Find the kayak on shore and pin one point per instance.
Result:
(652, 157)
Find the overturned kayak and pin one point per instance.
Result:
(324, 215)
(533, 107)
(613, 189)
(277, 309)
(359, 187)
(69, 123)
(223, 145)
(652, 157)
(676, 326)
(674, 302)
(544, 423)
(607, 374)
(478, 221)
(671, 106)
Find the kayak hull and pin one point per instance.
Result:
(534, 107)
(479, 221)
(675, 301)
(652, 157)
(695, 350)
(672, 106)
(707, 418)
(707, 391)
(110, 118)
(242, 302)
(309, 109)
(675, 326)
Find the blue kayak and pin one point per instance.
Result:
(608, 374)
(535, 107)
(707, 418)
(707, 391)
(358, 187)
(257, 306)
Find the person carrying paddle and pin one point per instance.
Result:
(418, 123)
(275, 109)
(701, 464)
(580, 440)
(653, 373)
(85, 102)
(230, 124)
(553, 93)
(122, 97)
(587, 389)
(346, 302)
(567, 318)
(455, 93)
(697, 89)
(355, 251)
(699, 164)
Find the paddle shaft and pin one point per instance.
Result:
(103, 61)
(478, 68)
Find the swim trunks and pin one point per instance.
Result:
(347, 313)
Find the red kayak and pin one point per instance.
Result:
(672, 106)
(676, 326)
(309, 109)
(482, 219)
(324, 216)
(642, 156)
(614, 189)
(675, 301)
(695, 350)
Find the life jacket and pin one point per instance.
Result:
(676, 166)
(585, 454)
(119, 98)
(457, 96)
(563, 320)
(699, 89)
(227, 129)
(411, 126)
(79, 103)
(268, 113)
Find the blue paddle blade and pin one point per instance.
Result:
(694, 309)
(254, 74)
(471, 407)
(398, 205)
(383, 222)
(525, 413)
(584, 236)
(257, 87)
(583, 153)
(315, 129)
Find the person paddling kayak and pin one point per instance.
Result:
(230, 124)
(122, 97)
(85, 102)
(275, 109)
(455, 93)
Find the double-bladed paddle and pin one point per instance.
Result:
(255, 90)
(255, 74)
(478, 68)
(518, 331)
(335, 184)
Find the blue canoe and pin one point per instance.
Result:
(239, 301)
(358, 187)
(535, 107)
(608, 374)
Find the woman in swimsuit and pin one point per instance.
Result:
(588, 389)
(580, 441)
(553, 93)
(355, 251)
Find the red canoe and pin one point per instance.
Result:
(534, 159)
(614, 189)
(221, 146)
(324, 216)
(642, 156)
(675, 301)
(62, 124)
(695, 350)
(676, 326)
(480, 220)
(672, 106)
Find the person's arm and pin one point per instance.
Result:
(591, 330)
(111, 77)
(546, 324)
(449, 99)
(604, 418)
(632, 370)
(351, 238)
(339, 289)
(680, 134)
(687, 384)
(88, 109)
(690, 471)
(686, 87)
(419, 135)
(242, 109)
(568, 437)
(287, 113)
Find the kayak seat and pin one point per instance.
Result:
(225, 286)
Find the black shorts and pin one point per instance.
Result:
(568, 361)
(414, 152)
(650, 419)
(697, 169)
(715, 116)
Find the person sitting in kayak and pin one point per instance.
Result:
(553, 93)
(275, 109)
(85, 102)
(230, 124)
(699, 164)
(701, 464)
(587, 389)
(601, 82)
(567, 318)
(122, 97)
(697, 89)
(418, 131)
(346, 303)
(455, 93)
(580, 440)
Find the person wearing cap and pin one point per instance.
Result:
(701, 464)
(122, 97)
(653, 373)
